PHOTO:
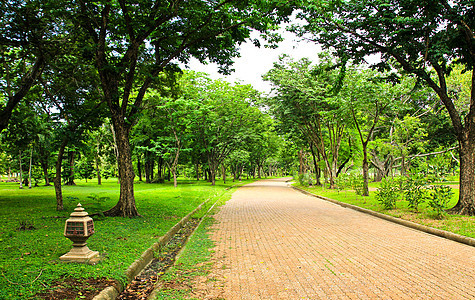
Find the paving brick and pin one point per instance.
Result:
(277, 243)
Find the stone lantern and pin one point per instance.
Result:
(78, 228)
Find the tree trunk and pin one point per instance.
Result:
(125, 207)
(175, 183)
(315, 165)
(29, 170)
(98, 171)
(44, 165)
(197, 169)
(224, 173)
(21, 173)
(466, 202)
(57, 178)
(139, 168)
(149, 168)
(71, 155)
(365, 171)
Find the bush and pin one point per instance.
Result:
(414, 190)
(342, 182)
(388, 193)
(305, 179)
(356, 181)
(439, 197)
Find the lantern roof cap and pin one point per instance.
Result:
(79, 211)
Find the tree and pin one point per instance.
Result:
(72, 98)
(224, 117)
(132, 42)
(424, 39)
(307, 100)
(366, 99)
(32, 34)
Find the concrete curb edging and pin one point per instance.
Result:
(438, 232)
(144, 260)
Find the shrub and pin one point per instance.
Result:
(439, 198)
(342, 182)
(305, 179)
(388, 193)
(356, 181)
(414, 190)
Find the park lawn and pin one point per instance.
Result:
(462, 225)
(29, 259)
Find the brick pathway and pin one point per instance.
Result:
(273, 242)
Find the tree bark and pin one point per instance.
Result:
(44, 167)
(466, 202)
(139, 168)
(197, 169)
(224, 173)
(29, 170)
(21, 173)
(365, 170)
(71, 155)
(125, 207)
(315, 165)
(57, 178)
(98, 170)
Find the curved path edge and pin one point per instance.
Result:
(438, 232)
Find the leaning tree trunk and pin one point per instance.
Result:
(125, 207)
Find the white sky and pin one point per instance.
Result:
(254, 62)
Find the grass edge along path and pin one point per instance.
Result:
(193, 261)
(463, 226)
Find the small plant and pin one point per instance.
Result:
(414, 190)
(305, 179)
(342, 182)
(439, 198)
(387, 193)
(356, 181)
(25, 225)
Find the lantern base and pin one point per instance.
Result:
(81, 255)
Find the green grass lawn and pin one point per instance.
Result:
(462, 225)
(30, 258)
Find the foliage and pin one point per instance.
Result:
(343, 181)
(388, 193)
(307, 107)
(439, 197)
(427, 41)
(463, 225)
(356, 183)
(414, 189)
(305, 179)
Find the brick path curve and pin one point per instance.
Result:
(273, 242)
